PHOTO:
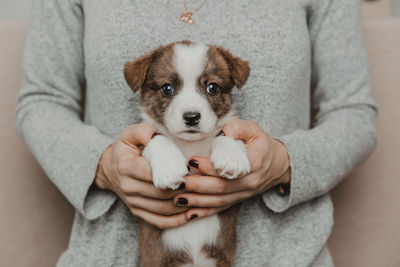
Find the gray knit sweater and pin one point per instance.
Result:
(292, 45)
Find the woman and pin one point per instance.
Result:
(291, 46)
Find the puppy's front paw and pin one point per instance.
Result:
(230, 157)
(167, 163)
(169, 174)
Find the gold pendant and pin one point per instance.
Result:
(187, 17)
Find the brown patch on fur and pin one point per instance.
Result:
(185, 42)
(152, 251)
(135, 71)
(161, 71)
(225, 249)
(149, 73)
(225, 70)
(239, 68)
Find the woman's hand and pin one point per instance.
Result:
(209, 194)
(123, 170)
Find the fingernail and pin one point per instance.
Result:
(154, 134)
(182, 186)
(194, 163)
(188, 167)
(181, 202)
(194, 216)
(221, 133)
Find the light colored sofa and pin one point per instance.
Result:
(35, 219)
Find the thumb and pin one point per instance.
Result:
(245, 130)
(137, 134)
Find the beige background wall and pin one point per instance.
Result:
(379, 9)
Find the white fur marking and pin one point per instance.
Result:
(189, 62)
(230, 157)
(167, 162)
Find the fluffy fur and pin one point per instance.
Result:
(189, 114)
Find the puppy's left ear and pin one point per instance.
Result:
(240, 69)
(135, 71)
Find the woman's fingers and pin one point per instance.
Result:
(203, 164)
(216, 185)
(210, 201)
(194, 213)
(160, 221)
(210, 185)
(161, 207)
(130, 187)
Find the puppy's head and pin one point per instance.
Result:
(186, 87)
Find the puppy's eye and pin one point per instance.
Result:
(212, 89)
(167, 89)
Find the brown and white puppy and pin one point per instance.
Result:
(185, 91)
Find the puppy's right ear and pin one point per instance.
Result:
(135, 71)
(239, 68)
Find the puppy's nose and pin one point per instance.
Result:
(191, 118)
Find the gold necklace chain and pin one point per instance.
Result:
(186, 16)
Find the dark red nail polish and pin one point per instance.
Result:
(188, 167)
(182, 186)
(194, 163)
(194, 216)
(221, 133)
(154, 134)
(182, 202)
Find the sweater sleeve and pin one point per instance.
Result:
(344, 128)
(49, 111)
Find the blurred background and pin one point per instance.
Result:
(380, 9)
(36, 219)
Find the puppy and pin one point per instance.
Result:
(185, 91)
